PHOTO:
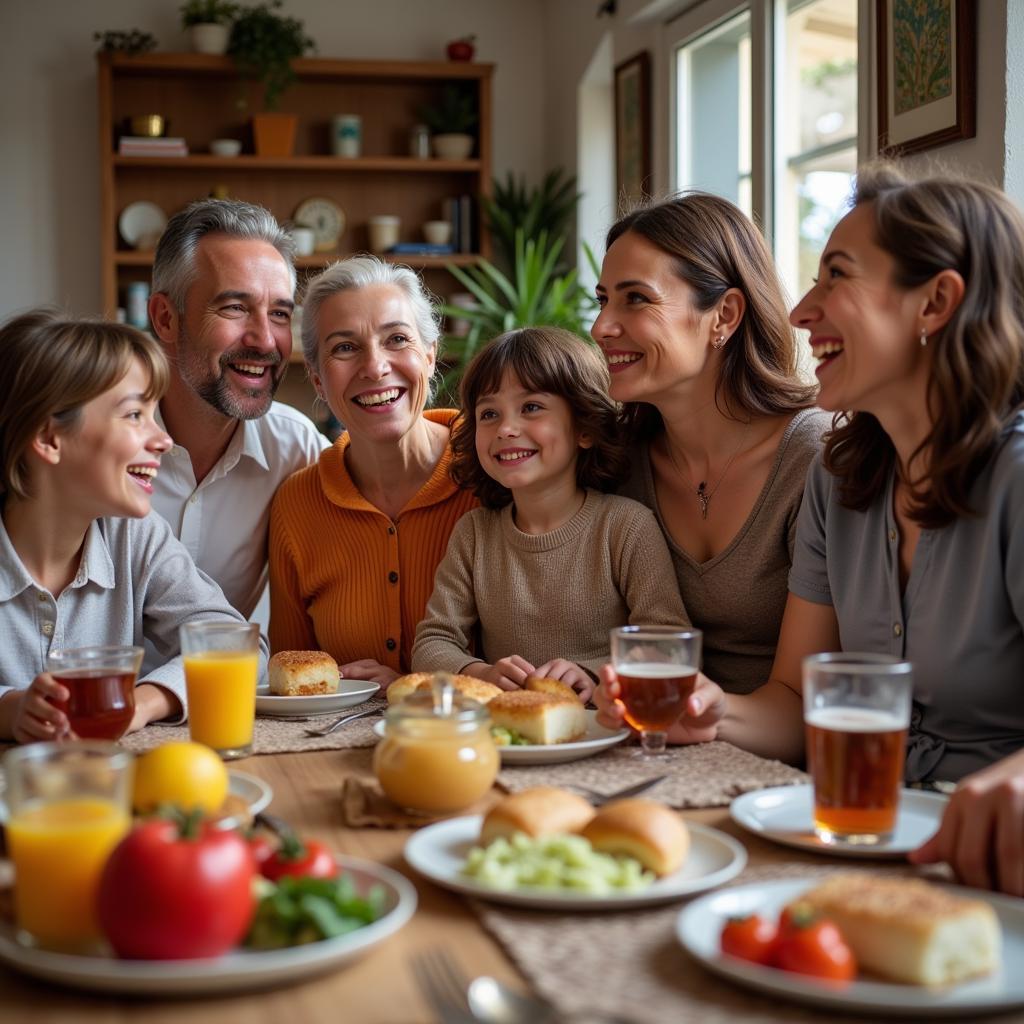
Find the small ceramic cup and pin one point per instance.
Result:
(437, 232)
(225, 147)
(304, 239)
(384, 231)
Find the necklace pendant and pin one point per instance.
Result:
(703, 497)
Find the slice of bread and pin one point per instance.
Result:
(539, 811)
(541, 684)
(302, 673)
(650, 832)
(909, 930)
(476, 689)
(540, 718)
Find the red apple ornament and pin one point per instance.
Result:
(462, 49)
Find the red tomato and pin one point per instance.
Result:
(461, 49)
(262, 849)
(166, 895)
(816, 948)
(749, 938)
(301, 858)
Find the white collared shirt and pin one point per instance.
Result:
(223, 522)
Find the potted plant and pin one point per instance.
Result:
(208, 23)
(451, 121)
(263, 45)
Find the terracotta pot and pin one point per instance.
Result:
(274, 134)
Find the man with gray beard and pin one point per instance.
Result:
(222, 304)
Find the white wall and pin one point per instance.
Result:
(49, 177)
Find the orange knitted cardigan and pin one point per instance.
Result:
(346, 579)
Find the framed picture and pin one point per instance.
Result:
(633, 128)
(926, 73)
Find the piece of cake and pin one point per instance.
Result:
(302, 673)
(909, 930)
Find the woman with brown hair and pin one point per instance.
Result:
(909, 540)
(694, 327)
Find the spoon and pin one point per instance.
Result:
(491, 1002)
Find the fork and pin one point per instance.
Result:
(443, 986)
(599, 799)
(328, 729)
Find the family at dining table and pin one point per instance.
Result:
(682, 471)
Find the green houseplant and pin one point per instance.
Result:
(263, 45)
(451, 121)
(548, 207)
(535, 293)
(208, 23)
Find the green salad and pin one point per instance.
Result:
(507, 737)
(565, 862)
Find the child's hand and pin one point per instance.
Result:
(509, 673)
(35, 718)
(370, 671)
(610, 712)
(571, 674)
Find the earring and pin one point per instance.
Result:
(924, 338)
(718, 342)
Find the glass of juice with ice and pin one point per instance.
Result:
(221, 666)
(68, 805)
(101, 685)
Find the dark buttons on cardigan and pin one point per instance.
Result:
(392, 577)
(390, 644)
(897, 630)
(391, 530)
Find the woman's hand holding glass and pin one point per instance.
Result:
(33, 716)
(705, 708)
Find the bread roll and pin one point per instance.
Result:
(651, 832)
(541, 718)
(541, 684)
(302, 673)
(540, 811)
(476, 689)
(909, 930)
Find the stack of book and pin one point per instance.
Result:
(460, 211)
(144, 145)
(421, 249)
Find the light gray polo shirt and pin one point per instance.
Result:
(959, 621)
(134, 581)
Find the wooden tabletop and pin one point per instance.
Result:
(376, 989)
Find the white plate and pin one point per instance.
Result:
(784, 815)
(255, 792)
(142, 222)
(350, 692)
(439, 852)
(699, 926)
(598, 738)
(236, 971)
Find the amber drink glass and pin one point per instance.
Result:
(856, 715)
(101, 684)
(657, 670)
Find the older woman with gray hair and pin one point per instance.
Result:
(356, 538)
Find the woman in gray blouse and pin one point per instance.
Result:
(695, 329)
(81, 560)
(910, 540)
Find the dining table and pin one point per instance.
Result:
(380, 987)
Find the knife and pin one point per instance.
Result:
(600, 799)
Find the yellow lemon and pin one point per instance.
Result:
(188, 775)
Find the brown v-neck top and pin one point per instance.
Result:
(737, 597)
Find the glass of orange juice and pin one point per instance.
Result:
(221, 665)
(68, 805)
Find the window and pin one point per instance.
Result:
(765, 113)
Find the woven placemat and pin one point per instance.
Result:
(701, 775)
(631, 964)
(279, 735)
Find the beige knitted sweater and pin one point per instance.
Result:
(500, 591)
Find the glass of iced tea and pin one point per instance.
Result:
(101, 684)
(657, 670)
(856, 715)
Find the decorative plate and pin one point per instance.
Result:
(325, 217)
